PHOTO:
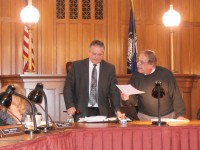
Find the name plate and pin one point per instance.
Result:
(62, 124)
(11, 131)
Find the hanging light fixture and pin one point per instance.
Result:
(171, 19)
(29, 16)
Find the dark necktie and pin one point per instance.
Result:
(93, 88)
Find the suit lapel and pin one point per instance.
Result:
(86, 75)
(101, 72)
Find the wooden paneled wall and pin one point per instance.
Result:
(57, 41)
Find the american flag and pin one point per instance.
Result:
(132, 43)
(26, 49)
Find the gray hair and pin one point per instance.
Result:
(97, 43)
(151, 55)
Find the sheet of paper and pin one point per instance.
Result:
(129, 89)
(169, 120)
(93, 119)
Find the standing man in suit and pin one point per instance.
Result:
(90, 86)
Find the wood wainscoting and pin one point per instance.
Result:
(53, 87)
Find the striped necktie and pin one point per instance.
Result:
(93, 88)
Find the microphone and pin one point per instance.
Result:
(158, 92)
(158, 89)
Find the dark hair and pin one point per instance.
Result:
(97, 43)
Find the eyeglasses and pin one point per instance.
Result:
(142, 62)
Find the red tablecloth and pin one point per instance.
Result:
(117, 138)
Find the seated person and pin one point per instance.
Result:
(17, 111)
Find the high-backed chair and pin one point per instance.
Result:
(198, 114)
(68, 66)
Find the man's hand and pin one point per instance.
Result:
(71, 110)
(119, 115)
(182, 118)
(124, 97)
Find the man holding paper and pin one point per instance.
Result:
(171, 105)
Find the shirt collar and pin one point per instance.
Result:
(90, 63)
(152, 71)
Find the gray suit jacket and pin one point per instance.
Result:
(76, 89)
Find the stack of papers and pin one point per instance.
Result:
(168, 120)
(129, 89)
(100, 119)
(93, 119)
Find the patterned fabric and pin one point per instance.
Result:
(93, 89)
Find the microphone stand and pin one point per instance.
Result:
(36, 96)
(158, 92)
(46, 113)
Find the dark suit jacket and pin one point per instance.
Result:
(76, 89)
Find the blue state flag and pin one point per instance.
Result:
(132, 44)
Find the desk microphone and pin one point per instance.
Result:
(158, 92)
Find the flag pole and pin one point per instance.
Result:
(172, 48)
(30, 49)
(132, 5)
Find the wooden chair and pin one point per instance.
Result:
(198, 114)
(68, 66)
